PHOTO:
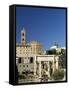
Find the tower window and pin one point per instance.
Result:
(23, 39)
(23, 34)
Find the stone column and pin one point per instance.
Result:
(53, 66)
(57, 62)
(35, 65)
(48, 69)
(16, 61)
(39, 69)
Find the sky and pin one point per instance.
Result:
(45, 25)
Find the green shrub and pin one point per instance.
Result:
(58, 74)
(22, 77)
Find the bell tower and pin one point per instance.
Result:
(23, 36)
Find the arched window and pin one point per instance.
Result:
(23, 39)
(31, 59)
(19, 60)
(23, 34)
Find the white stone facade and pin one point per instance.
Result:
(27, 65)
(30, 58)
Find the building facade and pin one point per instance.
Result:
(30, 58)
(38, 64)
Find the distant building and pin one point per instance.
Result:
(32, 48)
(57, 48)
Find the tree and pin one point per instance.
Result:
(53, 51)
(58, 74)
(63, 59)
